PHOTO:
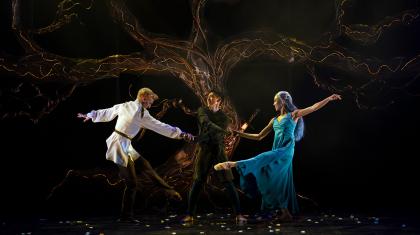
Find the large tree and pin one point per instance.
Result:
(48, 78)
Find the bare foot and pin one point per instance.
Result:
(224, 166)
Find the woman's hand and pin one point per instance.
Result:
(334, 97)
(237, 132)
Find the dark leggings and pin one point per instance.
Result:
(195, 193)
(128, 174)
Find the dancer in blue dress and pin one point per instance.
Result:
(270, 174)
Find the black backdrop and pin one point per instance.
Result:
(351, 159)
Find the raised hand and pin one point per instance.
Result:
(334, 97)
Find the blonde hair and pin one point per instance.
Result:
(146, 91)
(216, 94)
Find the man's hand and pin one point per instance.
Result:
(83, 116)
(237, 132)
(187, 137)
(229, 132)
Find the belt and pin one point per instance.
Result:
(122, 134)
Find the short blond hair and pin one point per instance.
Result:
(147, 91)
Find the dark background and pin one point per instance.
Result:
(350, 159)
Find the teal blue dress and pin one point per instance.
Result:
(270, 174)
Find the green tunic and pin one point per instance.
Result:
(211, 150)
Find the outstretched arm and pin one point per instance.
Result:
(102, 115)
(85, 117)
(164, 129)
(263, 133)
(303, 112)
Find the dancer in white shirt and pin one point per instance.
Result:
(132, 116)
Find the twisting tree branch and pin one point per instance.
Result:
(200, 68)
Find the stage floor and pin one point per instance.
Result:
(217, 224)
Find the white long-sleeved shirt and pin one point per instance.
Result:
(129, 122)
